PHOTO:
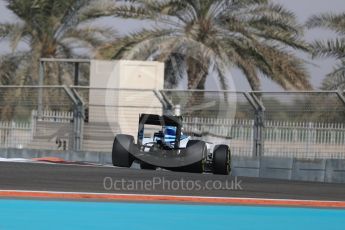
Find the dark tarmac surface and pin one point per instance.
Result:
(73, 178)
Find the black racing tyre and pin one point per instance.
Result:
(122, 146)
(197, 147)
(147, 166)
(222, 160)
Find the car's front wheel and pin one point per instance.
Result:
(196, 147)
(222, 160)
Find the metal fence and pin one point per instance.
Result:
(308, 124)
(300, 124)
(40, 117)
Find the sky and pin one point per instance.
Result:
(303, 9)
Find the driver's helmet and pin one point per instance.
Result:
(170, 134)
(170, 131)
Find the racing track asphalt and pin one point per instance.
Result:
(73, 178)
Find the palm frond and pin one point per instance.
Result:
(5, 29)
(250, 71)
(110, 9)
(120, 47)
(335, 22)
(336, 79)
(71, 17)
(13, 68)
(45, 26)
(94, 37)
(331, 48)
(236, 32)
(286, 69)
(174, 70)
(17, 33)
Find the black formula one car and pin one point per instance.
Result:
(161, 144)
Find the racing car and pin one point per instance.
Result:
(162, 144)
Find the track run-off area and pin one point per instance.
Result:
(68, 196)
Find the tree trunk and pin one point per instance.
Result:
(196, 81)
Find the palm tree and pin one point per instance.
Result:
(331, 48)
(51, 29)
(210, 36)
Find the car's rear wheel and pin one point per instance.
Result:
(122, 146)
(222, 160)
(196, 147)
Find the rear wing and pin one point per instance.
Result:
(165, 120)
